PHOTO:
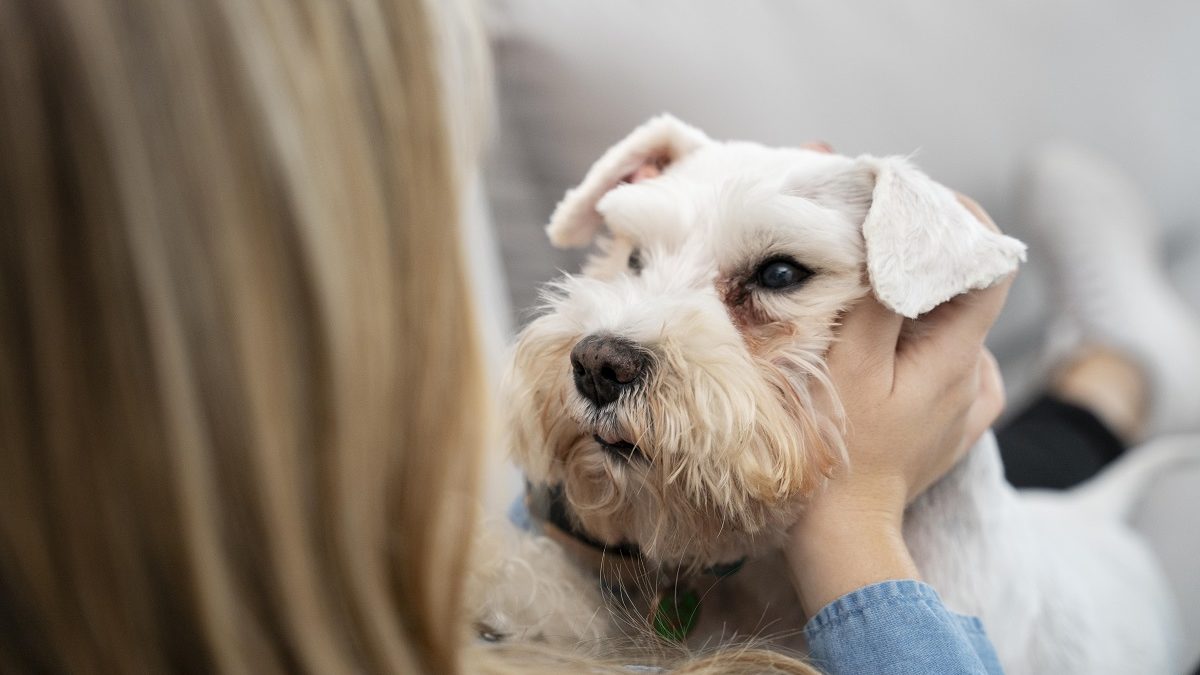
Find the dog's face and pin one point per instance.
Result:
(676, 389)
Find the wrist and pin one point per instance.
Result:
(873, 502)
(835, 553)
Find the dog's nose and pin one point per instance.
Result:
(603, 365)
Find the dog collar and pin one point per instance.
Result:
(555, 513)
(673, 610)
(550, 506)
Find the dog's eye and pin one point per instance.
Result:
(635, 260)
(779, 275)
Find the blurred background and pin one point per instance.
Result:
(970, 87)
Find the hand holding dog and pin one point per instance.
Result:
(915, 401)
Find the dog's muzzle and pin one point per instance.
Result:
(603, 366)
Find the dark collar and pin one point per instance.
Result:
(549, 505)
(558, 516)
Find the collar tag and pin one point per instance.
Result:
(676, 613)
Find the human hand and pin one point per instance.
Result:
(915, 400)
(914, 404)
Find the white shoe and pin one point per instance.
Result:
(1104, 244)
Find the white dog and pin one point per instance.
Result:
(672, 405)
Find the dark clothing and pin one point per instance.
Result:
(1054, 444)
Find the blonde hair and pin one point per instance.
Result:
(241, 390)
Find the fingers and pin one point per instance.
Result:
(989, 401)
(866, 339)
(957, 327)
(970, 316)
(977, 211)
(981, 401)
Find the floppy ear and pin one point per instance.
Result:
(654, 145)
(923, 246)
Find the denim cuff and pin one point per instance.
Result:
(895, 592)
(894, 627)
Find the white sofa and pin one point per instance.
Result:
(970, 87)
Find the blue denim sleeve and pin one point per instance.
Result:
(897, 627)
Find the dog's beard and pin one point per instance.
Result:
(726, 444)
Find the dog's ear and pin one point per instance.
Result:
(923, 246)
(644, 152)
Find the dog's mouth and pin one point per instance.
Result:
(620, 449)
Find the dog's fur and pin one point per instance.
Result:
(736, 421)
(523, 588)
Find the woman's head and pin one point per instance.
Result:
(240, 386)
(239, 374)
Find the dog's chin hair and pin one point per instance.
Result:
(596, 489)
(695, 503)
